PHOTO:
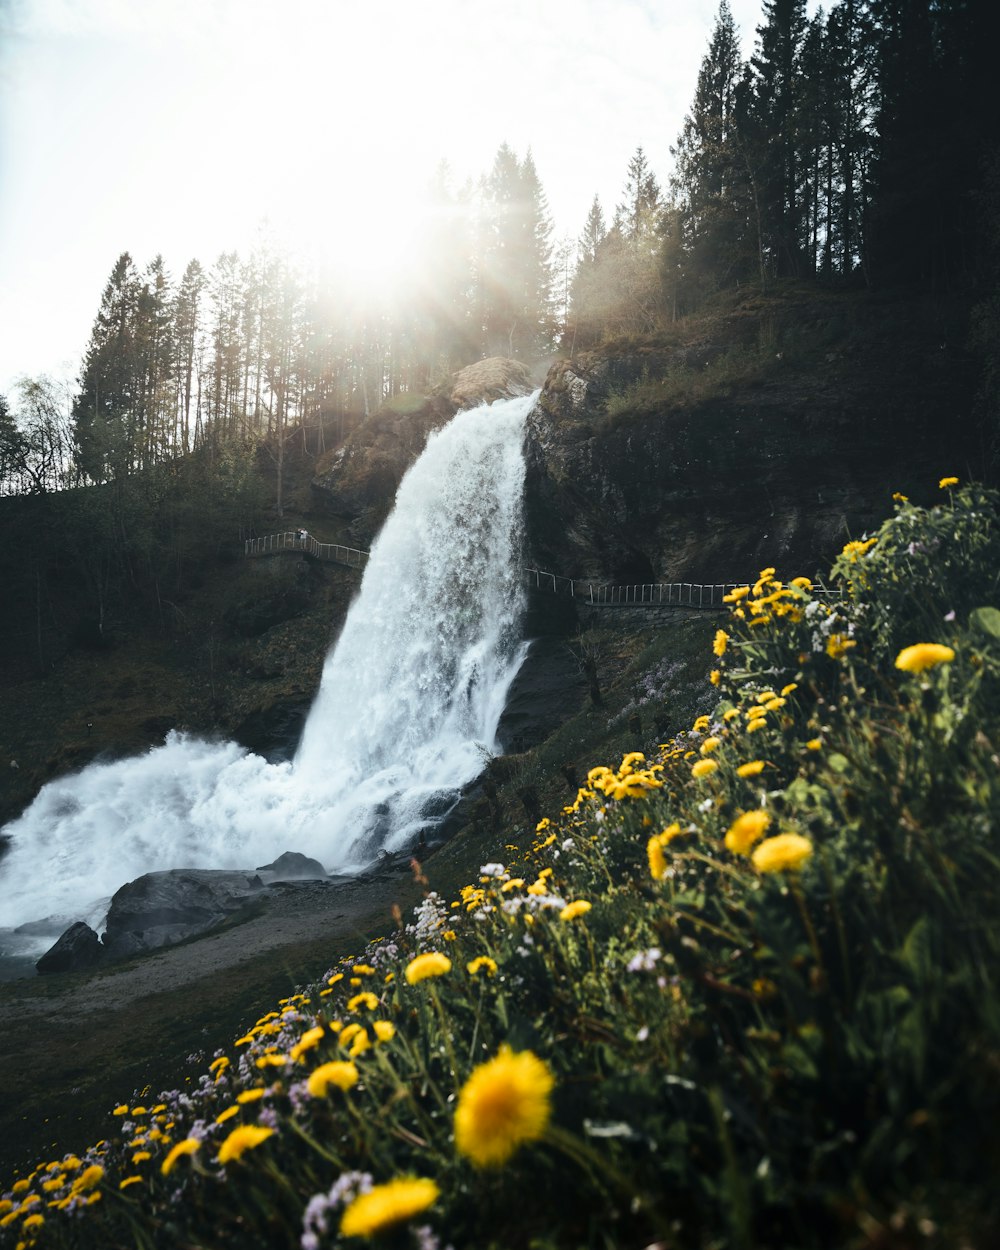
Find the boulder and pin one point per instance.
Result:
(161, 908)
(79, 947)
(497, 377)
(292, 866)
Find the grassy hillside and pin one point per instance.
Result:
(740, 991)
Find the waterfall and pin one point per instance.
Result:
(405, 716)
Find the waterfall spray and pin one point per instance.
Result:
(406, 713)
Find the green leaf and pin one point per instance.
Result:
(986, 621)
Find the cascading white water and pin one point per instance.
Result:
(406, 714)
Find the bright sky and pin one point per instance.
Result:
(177, 126)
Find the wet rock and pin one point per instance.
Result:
(292, 866)
(161, 908)
(550, 686)
(79, 947)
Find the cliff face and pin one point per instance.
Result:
(358, 482)
(771, 440)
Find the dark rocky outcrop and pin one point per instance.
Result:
(79, 947)
(550, 687)
(161, 908)
(292, 866)
(772, 444)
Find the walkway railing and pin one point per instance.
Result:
(292, 540)
(597, 594)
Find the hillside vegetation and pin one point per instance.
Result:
(741, 991)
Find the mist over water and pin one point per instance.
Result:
(405, 716)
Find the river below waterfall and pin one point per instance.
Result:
(405, 717)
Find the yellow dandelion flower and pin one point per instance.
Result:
(309, 1039)
(273, 1061)
(365, 999)
(803, 583)
(337, 976)
(387, 1205)
(515, 883)
(736, 595)
(33, 1221)
(789, 689)
(947, 481)
(710, 745)
(855, 550)
(189, 1146)
(228, 1114)
(899, 497)
(20, 1186)
(715, 677)
(385, 1030)
(361, 1043)
(250, 1095)
(704, 768)
(504, 1103)
(838, 645)
(129, 1180)
(219, 1065)
(759, 723)
(730, 713)
(342, 1074)
(814, 744)
(240, 1140)
(363, 970)
(657, 860)
(701, 724)
(121, 1110)
(88, 1178)
(432, 964)
(482, 963)
(750, 769)
(782, 853)
(721, 640)
(572, 911)
(745, 830)
(923, 655)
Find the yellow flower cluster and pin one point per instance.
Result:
(630, 781)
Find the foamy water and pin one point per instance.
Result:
(405, 716)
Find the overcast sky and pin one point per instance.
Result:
(177, 126)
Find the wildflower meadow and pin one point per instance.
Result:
(741, 992)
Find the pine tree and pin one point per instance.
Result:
(637, 214)
(775, 140)
(106, 407)
(514, 259)
(710, 188)
(187, 335)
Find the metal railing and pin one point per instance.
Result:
(292, 540)
(648, 594)
(597, 594)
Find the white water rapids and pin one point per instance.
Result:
(406, 714)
